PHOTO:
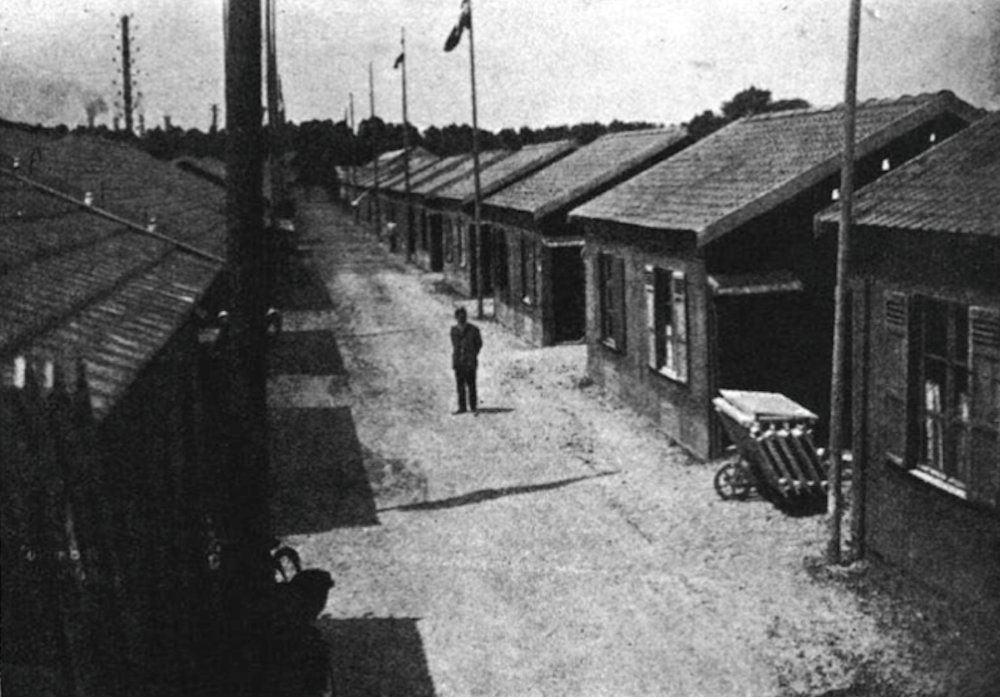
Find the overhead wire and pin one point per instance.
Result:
(104, 213)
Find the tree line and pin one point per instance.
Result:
(319, 146)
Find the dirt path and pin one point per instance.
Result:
(553, 545)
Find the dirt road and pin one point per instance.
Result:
(553, 545)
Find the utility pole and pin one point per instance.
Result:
(477, 206)
(214, 128)
(375, 153)
(274, 120)
(247, 272)
(411, 241)
(837, 387)
(127, 73)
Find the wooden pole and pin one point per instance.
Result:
(375, 194)
(410, 239)
(127, 74)
(354, 151)
(246, 359)
(478, 251)
(273, 117)
(837, 387)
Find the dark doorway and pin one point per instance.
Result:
(569, 298)
(485, 259)
(776, 343)
(437, 242)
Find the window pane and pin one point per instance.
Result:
(935, 328)
(961, 340)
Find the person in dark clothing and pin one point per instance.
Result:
(466, 341)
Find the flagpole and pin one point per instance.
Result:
(354, 152)
(374, 131)
(835, 497)
(475, 169)
(406, 156)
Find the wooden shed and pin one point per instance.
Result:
(106, 427)
(539, 282)
(703, 272)
(454, 206)
(925, 284)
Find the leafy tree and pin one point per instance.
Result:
(746, 103)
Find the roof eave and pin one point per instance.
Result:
(943, 102)
(521, 173)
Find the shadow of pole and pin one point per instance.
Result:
(491, 494)
(376, 656)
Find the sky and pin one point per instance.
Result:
(538, 63)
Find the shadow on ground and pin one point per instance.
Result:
(377, 656)
(305, 353)
(482, 495)
(297, 284)
(317, 472)
(494, 410)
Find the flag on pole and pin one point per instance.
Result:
(399, 60)
(464, 22)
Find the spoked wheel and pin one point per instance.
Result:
(732, 481)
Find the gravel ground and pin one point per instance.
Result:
(556, 544)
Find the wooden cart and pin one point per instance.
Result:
(773, 436)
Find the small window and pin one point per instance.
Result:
(611, 297)
(529, 270)
(666, 320)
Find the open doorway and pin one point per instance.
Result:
(569, 298)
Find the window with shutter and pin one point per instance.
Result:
(666, 322)
(984, 350)
(653, 360)
(502, 261)
(449, 241)
(529, 286)
(676, 329)
(611, 295)
(894, 376)
(461, 245)
(945, 399)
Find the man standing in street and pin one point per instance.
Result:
(466, 342)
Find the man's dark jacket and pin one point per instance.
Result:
(465, 344)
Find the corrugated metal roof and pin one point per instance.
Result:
(756, 163)
(464, 171)
(565, 182)
(953, 187)
(420, 174)
(77, 286)
(390, 164)
(505, 172)
(395, 174)
(136, 186)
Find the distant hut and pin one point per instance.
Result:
(455, 206)
(429, 233)
(539, 288)
(394, 225)
(703, 272)
(925, 283)
(402, 210)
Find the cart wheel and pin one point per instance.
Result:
(732, 482)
